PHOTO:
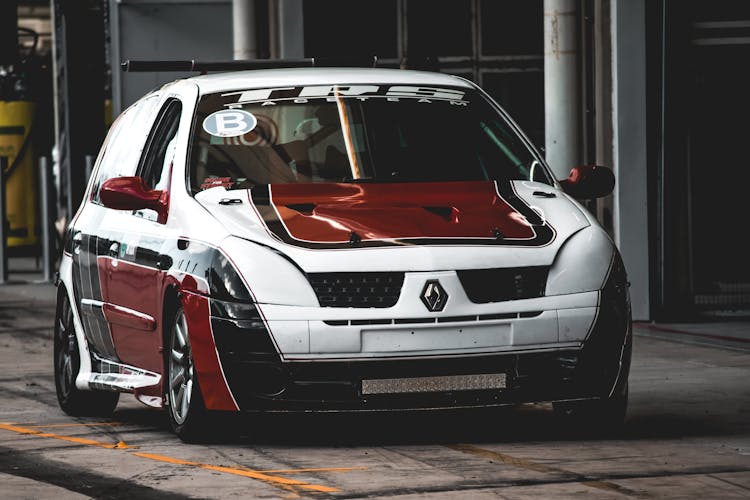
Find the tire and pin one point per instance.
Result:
(67, 363)
(604, 416)
(186, 411)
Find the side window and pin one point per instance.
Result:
(123, 144)
(156, 161)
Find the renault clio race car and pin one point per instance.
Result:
(336, 239)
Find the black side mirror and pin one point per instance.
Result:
(589, 181)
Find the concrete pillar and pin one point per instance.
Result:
(243, 29)
(286, 30)
(602, 66)
(630, 201)
(292, 40)
(561, 86)
(273, 29)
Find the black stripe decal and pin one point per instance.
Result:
(86, 285)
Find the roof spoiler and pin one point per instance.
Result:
(238, 65)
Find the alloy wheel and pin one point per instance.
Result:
(66, 348)
(181, 370)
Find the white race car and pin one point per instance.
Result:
(336, 239)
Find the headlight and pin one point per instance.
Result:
(272, 278)
(224, 282)
(582, 263)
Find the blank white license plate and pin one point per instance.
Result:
(434, 384)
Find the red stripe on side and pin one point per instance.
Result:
(132, 301)
(216, 393)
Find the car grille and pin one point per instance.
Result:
(497, 285)
(357, 289)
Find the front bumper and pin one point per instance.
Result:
(262, 382)
(590, 365)
(337, 386)
(408, 329)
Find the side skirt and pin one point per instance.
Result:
(114, 376)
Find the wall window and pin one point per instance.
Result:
(347, 28)
(441, 29)
(512, 27)
(521, 93)
(496, 43)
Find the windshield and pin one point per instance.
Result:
(355, 133)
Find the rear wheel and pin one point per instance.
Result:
(187, 414)
(72, 400)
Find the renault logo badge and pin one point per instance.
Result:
(434, 296)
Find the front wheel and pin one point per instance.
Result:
(72, 400)
(187, 414)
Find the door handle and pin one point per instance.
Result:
(543, 194)
(164, 262)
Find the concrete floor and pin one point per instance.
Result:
(687, 436)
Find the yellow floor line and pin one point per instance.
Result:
(529, 465)
(506, 459)
(48, 426)
(89, 442)
(290, 485)
(277, 480)
(322, 469)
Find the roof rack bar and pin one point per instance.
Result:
(238, 65)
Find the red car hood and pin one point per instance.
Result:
(332, 215)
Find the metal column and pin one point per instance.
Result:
(561, 86)
(3, 224)
(88, 167)
(79, 69)
(286, 29)
(243, 29)
(44, 184)
(630, 201)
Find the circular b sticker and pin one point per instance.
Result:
(229, 123)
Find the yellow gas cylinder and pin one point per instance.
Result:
(16, 118)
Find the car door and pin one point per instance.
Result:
(132, 267)
(118, 156)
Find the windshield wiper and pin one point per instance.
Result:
(351, 180)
